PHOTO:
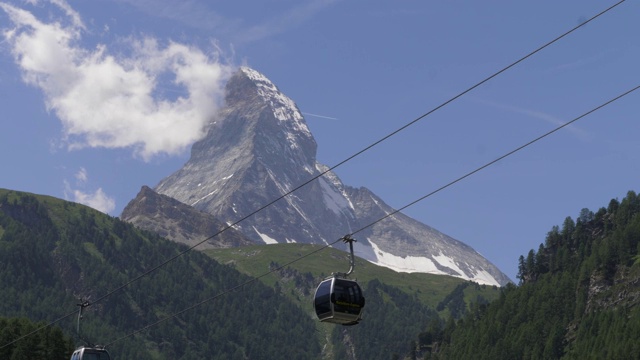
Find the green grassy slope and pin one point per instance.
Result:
(257, 260)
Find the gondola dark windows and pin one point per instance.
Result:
(339, 301)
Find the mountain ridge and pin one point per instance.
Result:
(181, 223)
(259, 148)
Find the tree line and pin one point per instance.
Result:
(576, 297)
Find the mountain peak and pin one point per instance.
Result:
(273, 123)
(283, 108)
(260, 148)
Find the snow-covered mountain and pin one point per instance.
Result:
(259, 148)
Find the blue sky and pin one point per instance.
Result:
(101, 97)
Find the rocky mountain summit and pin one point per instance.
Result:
(259, 148)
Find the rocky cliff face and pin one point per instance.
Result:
(259, 148)
(181, 223)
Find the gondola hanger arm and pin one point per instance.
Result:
(352, 263)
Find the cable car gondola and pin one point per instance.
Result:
(88, 352)
(339, 300)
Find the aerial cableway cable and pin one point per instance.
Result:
(225, 292)
(229, 226)
(530, 54)
(470, 173)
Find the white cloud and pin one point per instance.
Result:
(98, 200)
(82, 175)
(75, 17)
(110, 101)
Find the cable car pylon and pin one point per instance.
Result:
(339, 300)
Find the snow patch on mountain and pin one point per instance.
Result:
(212, 192)
(483, 277)
(406, 264)
(266, 238)
(204, 197)
(334, 200)
(448, 262)
(411, 264)
(334, 194)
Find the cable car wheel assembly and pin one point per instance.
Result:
(339, 300)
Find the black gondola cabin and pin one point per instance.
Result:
(339, 301)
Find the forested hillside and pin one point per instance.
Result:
(49, 343)
(578, 297)
(54, 252)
